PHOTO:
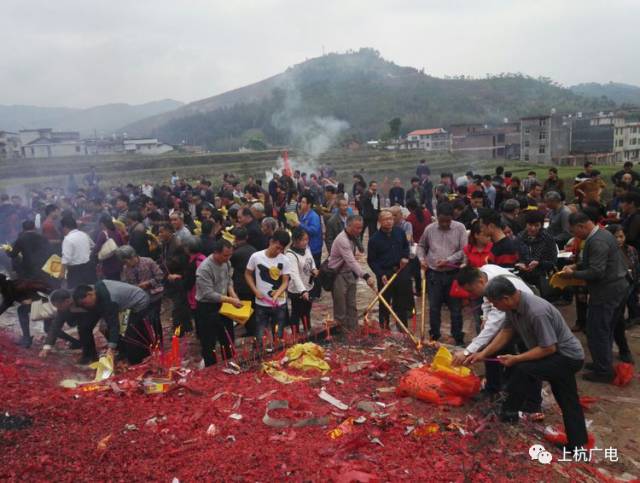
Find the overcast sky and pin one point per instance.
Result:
(80, 53)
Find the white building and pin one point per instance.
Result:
(146, 146)
(428, 140)
(9, 145)
(45, 143)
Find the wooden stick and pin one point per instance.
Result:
(423, 310)
(399, 322)
(382, 290)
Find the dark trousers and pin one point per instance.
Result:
(181, 312)
(250, 325)
(269, 317)
(24, 312)
(438, 287)
(300, 311)
(213, 328)
(399, 296)
(138, 337)
(153, 314)
(371, 226)
(84, 274)
(316, 291)
(560, 371)
(61, 333)
(86, 323)
(601, 321)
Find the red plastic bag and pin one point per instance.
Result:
(438, 387)
(457, 292)
(624, 374)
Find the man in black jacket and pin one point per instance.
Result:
(336, 223)
(604, 270)
(30, 252)
(471, 212)
(255, 238)
(388, 252)
(371, 203)
(242, 252)
(396, 193)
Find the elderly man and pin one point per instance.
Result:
(559, 227)
(214, 286)
(474, 281)
(553, 354)
(440, 252)
(396, 193)
(388, 253)
(268, 227)
(181, 232)
(255, 237)
(601, 265)
(336, 223)
(342, 259)
(400, 222)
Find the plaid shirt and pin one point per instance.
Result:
(146, 271)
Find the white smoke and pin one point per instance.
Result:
(311, 135)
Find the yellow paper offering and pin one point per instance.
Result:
(53, 266)
(227, 235)
(240, 315)
(443, 362)
(556, 281)
(306, 357)
(292, 217)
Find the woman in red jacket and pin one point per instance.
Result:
(476, 254)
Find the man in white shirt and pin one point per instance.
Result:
(474, 281)
(76, 255)
(267, 275)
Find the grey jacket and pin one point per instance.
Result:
(603, 268)
(213, 281)
(333, 227)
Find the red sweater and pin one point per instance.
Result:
(418, 228)
(477, 258)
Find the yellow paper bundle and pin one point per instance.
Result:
(443, 361)
(240, 315)
(53, 266)
(559, 282)
(292, 217)
(308, 356)
(273, 369)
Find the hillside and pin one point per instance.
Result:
(354, 95)
(104, 119)
(617, 92)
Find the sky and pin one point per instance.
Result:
(80, 53)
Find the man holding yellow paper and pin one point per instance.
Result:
(214, 286)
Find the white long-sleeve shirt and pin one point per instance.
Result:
(301, 271)
(76, 248)
(493, 319)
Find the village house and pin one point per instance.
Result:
(544, 138)
(428, 140)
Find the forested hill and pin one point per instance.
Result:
(353, 96)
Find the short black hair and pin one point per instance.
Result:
(28, 225)
(246, 212)
(490, 217)
(445, 209)
(415, 179)
(282, 237)
(68, 222)
(534, 216)
(50, 209)
(59, 295)
(310, 198)
(553, 170)
(588, 163)
(240, 233)
(298, 233)
(499, 170)
(468, 275)
(81, 292)
(220, 245)
(630, 197)
(477, 194)
(627, 164)
(499, 287)
(578, 218)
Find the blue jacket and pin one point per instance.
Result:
(310, 222)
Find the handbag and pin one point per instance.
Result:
(327, 276)
(42, 310)
(108, 249)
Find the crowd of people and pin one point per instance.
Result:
(493, 243)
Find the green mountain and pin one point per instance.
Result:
(103, 120)
(623, 94)
(354, 96)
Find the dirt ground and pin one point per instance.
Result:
(612, 419)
